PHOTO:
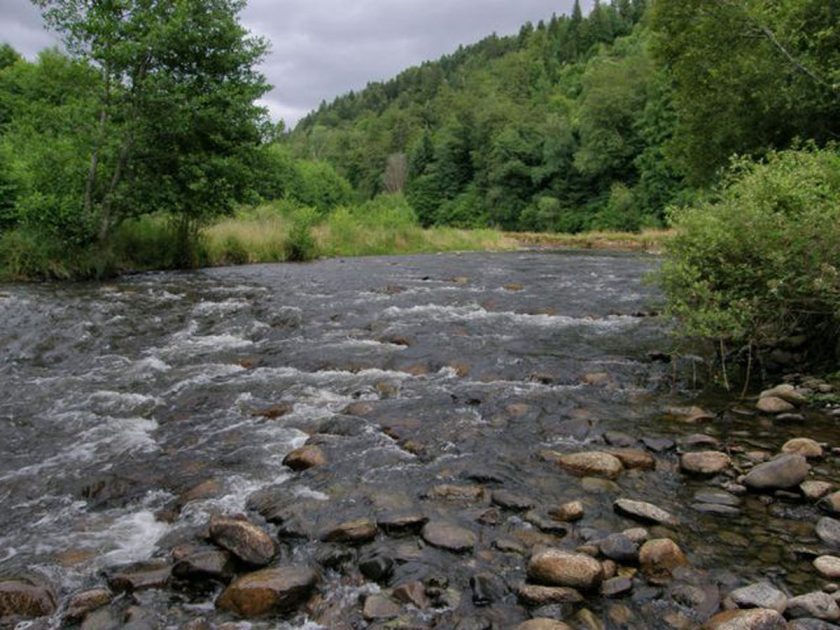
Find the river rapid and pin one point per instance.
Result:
(133, 411)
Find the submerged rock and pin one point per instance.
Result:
(643, 511)
(753, 619)
(448, 536)
(815, 490)
(589, 464)
(205, 565)
(538, 596)
(25, 599)
(379, 607)
(543, 623)
(269, 591)
(554, 567)
(831, 504)
(568, 512)
(828, 566)
(705, 462)
(759, 595)
(86, 602)
(635, 459)
(774, 405)
(828, 530)
(815, 605)
(243, 539)
(511, 501)
(304, 458)
(806, 447)
(659, 558)
(353, 532)
(785, 471)
(140, 577)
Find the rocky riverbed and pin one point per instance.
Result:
(461, 441)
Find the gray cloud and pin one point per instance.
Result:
(323, 48)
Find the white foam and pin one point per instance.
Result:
(133, 538)
(305, 492)
(232, 305)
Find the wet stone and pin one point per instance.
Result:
(81, 604)
(828, 530)
(591, 464)
(700, 440)
(537, 596)
(620, 440)
(644, 511)
(396, 523)
(205, 565)
(449, 492)
(717, 498)
(413, 593)
(269, 591)
(620, 548)
(635, 459)
(785, 471)
(828, 567)
(304, 458)
(616, 587)
(568, 512)
(815, 490)
(754, 619)
(487, 589)
(716, 508)
(243, 539)
(353, 532)
(759, 595)
(658, 445)
(547, 525)
(831, 504)
(705, 462)
(380, 606)
(543, 623)
(774, 405)
(448, 536)
(333, 556)
(511, 501)
(25, 599)
(659, 558)
(377, 565)
(554, 567)
(815, 605)
(140, 577)
(806, 447)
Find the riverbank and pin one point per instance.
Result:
(274, 233)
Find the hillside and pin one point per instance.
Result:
(560, 127)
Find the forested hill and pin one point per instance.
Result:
(560, 127)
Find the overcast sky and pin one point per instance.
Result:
(323, 48)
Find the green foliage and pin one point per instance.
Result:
(300, 244)
(761, 261)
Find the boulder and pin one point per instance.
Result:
(304, 458)
(753, 619)
(25, 599)
(591, 464)
(243, 539)
(270, 591)
(645, 512)
(806, 447)
(705, 462)
(760, 595)
(815, 605)
(554, 567)
(658, 559)
(828, 566)
(448, 536)
(783, 472)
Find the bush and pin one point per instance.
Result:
(300, 243)
(760, 262)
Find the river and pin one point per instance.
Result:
(409, 373)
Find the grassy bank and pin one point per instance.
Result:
(280, 232)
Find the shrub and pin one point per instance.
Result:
(760, 262)
(300, 243)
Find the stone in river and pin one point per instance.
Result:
(304, 458)
(785, 471)
(554, 567)
(645, 512)
(86, 602)
(689, 415)
(717, 497)
(828, 566)
(620, 548)
(140, 577)
(618, 439)
(542, 623)
(828, 530)
(413, 593)
(511, 501)
(815, 489)
(760, 595)
(803, 446)
(591, 464)
(658, 445)
(205, 565)
(831, 504)
(705, 462)
(659, 558)
(815, 605)
(450, 492)
(616, 587)
(394, 523)
(448, 536)
(269, 591)
(753, 619)
(568, 512)
(243, 539)
(379, 607)
(25, 599)
(774, 405)
(786, 392)
(633, 458)
(353, 532)
(538, 596)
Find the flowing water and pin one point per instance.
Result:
(410, 372)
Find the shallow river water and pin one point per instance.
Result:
(409, 373)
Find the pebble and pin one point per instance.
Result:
(816, 605)
(644, 511)
(760, 595)
(828, 566)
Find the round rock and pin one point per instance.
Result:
(803, 446)
(268, 591)
(304, 458)
(659, 558)
(243, 539)
(815, 605)
(543, 623)
(760, 595)
(753, 619)
(554, 567)
(448, 536)
(828, 566)
(591, 464)
(781, 473)
(705, 462)
(828, 530)
(774, 405)
(643, 511)
(25, 599)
